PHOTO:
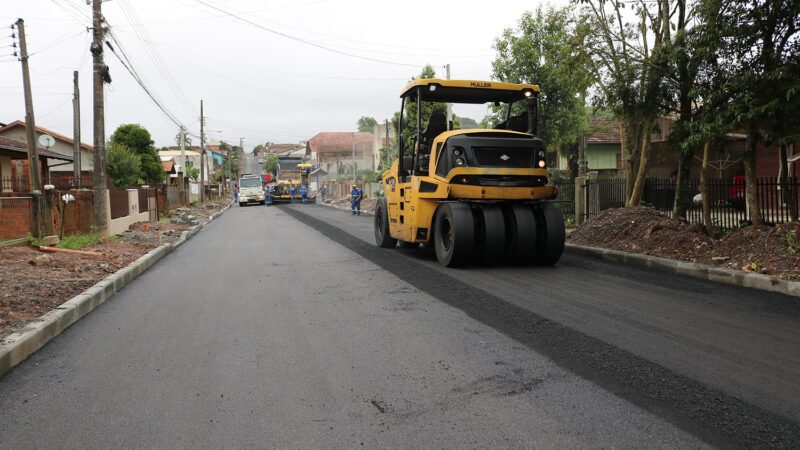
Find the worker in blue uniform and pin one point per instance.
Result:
(355, 200)
(292, 191)
(268, 196)
(303, 192)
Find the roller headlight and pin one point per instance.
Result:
(541, 154)
(460, 162)
(458, 152)
(541, 163)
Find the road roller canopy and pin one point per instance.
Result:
(467, 91)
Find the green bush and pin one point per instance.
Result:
(79, 241)
(123, 165)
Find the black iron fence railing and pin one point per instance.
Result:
(779, 200)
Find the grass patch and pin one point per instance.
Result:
(79, 241)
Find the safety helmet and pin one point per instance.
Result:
(354, 185)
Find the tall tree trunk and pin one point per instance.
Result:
(629, 147)
(704, 172)
(572, 159)
(641, 176)
(682, 195)
(751, 185)
(787, 190)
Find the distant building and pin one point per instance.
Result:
(379, 142)
(334, 151)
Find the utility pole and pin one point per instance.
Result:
(241, 156)
(353, 138)
(449, 105)
(99, 180)
(30, 123)
(202, 156)
(388, 153)
(76, 131)
(42, 225)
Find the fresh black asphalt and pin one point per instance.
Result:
(273, 328)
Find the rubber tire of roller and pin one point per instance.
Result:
(525, 230)
(381, 225)
(458, 218)
(491, 244)
(550, 221)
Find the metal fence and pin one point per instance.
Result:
(566, 198)
(778, 201)
(15, 217)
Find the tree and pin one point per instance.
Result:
(138, 140)
(366, 123)
(123, 165)
(756, 66)
(464, 122)
(271, 165)
(193, 173)
(542, 50)
(626, 55)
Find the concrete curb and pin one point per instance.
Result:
(695, 270)
(17, 347)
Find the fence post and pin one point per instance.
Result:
(580, 199)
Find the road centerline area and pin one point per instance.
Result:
(716, 416)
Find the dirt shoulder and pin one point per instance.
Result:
(33, 282)
(773, 251)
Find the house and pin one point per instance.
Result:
(58, 169)
(333, 151)
(287, 149)
(14, 165)
(193, 157)
(379, 142)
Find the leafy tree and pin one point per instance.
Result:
(625, 53)
(464, 122)
(193, 173)
(271, 165)
(138, 140)
(366, 123)
(123, 165)
(752, 54)
(543, 50)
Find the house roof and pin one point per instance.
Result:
(14, 145)
(169, 166)
(339, 141)
(173, 153)
(603, 132)
(43, 130)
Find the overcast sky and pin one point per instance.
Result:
(262, 85)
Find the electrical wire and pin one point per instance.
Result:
(152, 52)
(301, 40)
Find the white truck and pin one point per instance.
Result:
(251, 190)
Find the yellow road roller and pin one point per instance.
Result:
(477, 196)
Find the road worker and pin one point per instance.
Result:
(355, 200)
(303, 192)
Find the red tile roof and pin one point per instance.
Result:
(339, 141)
(168, 166)
(603, 132)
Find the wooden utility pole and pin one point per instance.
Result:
(30, 123)
(99, 180)
(202, 156)
(388, 153)
(41, 211)
(76, 131)
(353, 139)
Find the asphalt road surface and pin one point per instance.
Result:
(286, 327)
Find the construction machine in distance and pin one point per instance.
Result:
(292, 172)
(477, 196)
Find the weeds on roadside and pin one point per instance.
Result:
(79, 241)
(790, 239)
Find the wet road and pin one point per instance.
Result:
(311, 337)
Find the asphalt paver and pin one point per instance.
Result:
(261, 331)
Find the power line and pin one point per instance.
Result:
(129, 67)
(158, 62)
(304, 41)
